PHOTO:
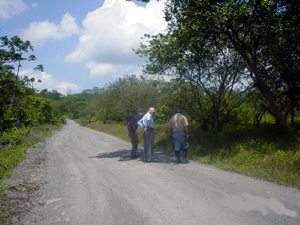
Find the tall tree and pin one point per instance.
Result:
(13, 87)
(257, 30)
(207, 64)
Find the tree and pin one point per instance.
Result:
(13, 88)
(256, 103)
(128, 95)
(52, 95)
(255, 30)
(214, 72)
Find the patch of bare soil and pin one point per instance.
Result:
(25, 180)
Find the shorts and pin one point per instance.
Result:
(180, 141)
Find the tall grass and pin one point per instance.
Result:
(257, 152)
(262, 153)
(115, 129)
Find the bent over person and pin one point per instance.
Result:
(147, 124)
(179, 135)
(132, 126)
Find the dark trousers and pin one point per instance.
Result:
(134, 142)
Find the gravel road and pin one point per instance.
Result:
(88, 178)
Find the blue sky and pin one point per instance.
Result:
(81, 44)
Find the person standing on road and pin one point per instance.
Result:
(147, 124)
(179, 135)
(132, 126)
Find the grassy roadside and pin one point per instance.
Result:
(14, 144)
(259, 153)
(12, 151)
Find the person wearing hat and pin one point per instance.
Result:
(147, 124)
(179, 135)
(132, 126)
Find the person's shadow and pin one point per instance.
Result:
(124, 155)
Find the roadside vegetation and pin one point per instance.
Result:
(26, 116)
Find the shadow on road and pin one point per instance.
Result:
(124, 155)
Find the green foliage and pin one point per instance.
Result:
(57, 118)
(14, 136)
(3, 211)
(52, 95)
(16, 91)
(116, 129)
(121, 100)
(213, 74)
(296, 162)
(260, 153)
(258, 33)
(13, 144)
(117, 101)
(37, 111)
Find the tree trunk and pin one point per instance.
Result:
(293, 116)
(262, 87)
(265, 91)
(220, 126)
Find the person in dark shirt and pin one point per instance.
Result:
(132, 126)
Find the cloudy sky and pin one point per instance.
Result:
(81, 44)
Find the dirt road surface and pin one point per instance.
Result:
(89, 178)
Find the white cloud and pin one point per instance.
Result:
(111, 31)
(39, 32)
(9, 8)
(99, 70)
(67, 88)
(48, 82)
(34, 5)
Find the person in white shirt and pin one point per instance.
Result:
(147, 124)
